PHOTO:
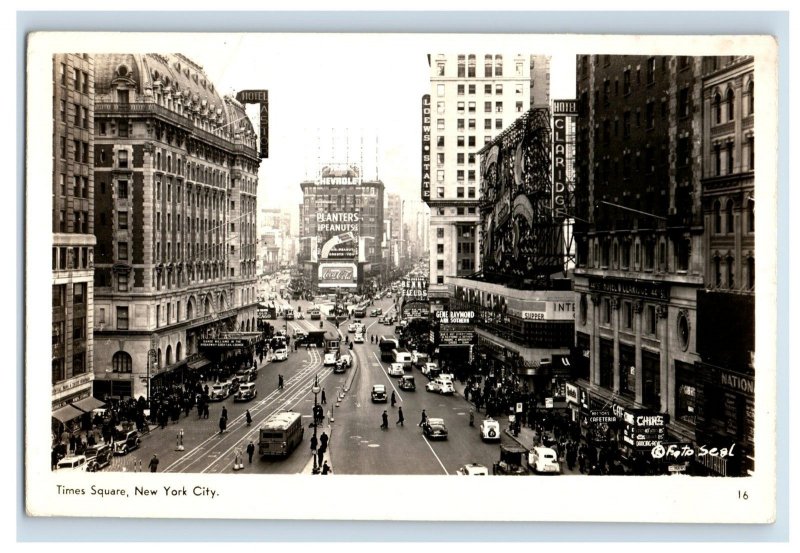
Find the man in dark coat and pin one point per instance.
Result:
(153, 463)
(400, 417)
(251, 449)
(323, 442)
(385, 419)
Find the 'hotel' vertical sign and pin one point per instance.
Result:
(564, 113)
(426, 146)
(260, 97)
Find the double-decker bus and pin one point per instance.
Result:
(280, 434)
(387, 345)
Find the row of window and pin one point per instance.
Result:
(728, 219)
(718, 153)
(80, 222)
(80, 187)
(488, 89)
(487, 124)
(59, 371)
(648, 254)
(81, 114)
(80, 78)
(471, 193)
(730, 104)
(729, 263)
(80, 150)
(59, 292)
(492, 66)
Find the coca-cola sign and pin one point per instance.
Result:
(337, 275)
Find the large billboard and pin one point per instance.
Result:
(337, 275)
(426, 146)
(260, 97)
(337, 235)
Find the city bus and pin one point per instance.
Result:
(359, 312)
(280, 434)
(388, 344)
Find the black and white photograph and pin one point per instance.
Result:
(355, 263)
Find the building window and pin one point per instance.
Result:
(683, 102)
(440, 175)
(751, 98)
(460, 89)
(471, 89)
(122, 282)
(439, 248)
(651, 70)
(730, 280)
(122, 251)
(79, 293)
(751, 215)
(440, 69)
(606, 363)
(122, 159)
(717, 218)
(717, 108)
(440, 90)
(751, 273)
(471, 66)
(498, 66)
(729, 157)
(440, 142)
(626, 82)
(79, 328)
(461, 67)
(471, 124)
(627, 370)
(729, 100)
(651, 380)
(439, 279)
(79, 363)
(440, 232)
(471, 107)
(606, 314)
(122, 220)
(440, 265)
(729, 217)
(440, 124)
(471, 192)
(440, 192)
(498, 89)
(717, 272)
(682, 253)
(460, 192)
(471, 142)
(651, 320)
(498, 123)
(498, 107)
(487, 67)
(686, 392)
(121, 362)
(122, 318)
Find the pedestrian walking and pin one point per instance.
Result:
(320, 456)
(313, 443)
(238, 462)
(280, 382)
(323, 396)
(251, 449)
(223, 424)
(400, 417)
(323, 442)
(424, 418)
(247, 417)
(394, 399)
(385, 419)
(224, 412)
(326, 469)
(472, 417)
(153, 463)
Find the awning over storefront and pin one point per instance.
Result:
(198, 363)
(88, 404)
(67, 413)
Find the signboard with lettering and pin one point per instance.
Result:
(565, 107)
(649, 290)
(547, 311)
(453, 336)
(455, 317)
(416, 310)
(415, 288)
(337, 275)
(644, 429)
(224, 343)
(560, 178)
(426, 147)
(572, 393)
(260, 97)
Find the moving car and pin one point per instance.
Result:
(340, 366)
(396, 369)
(407, 383)
(544, 460)
(440, 386)
(379, 393)
(431, 370)
(490, 430)
(281, 354)
(219, 391)
(98, 457)
(473, 469)
(74, 463)
(418, 359)
(247, 375)
(330, 359)
(346, 360)
(351, 327)
(246, 392)
(358, 339)
(127, 443)
(434, 428)
(374, 313)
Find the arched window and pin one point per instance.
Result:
(717, 218)
(751, 98)
(730, 280)
(729, 217)
(121, 362)
(498, 66)
(717, 108)
(717, 272)
(169, 355)
(189, 310)
(751, 215)
(159, 365)
(729, 99)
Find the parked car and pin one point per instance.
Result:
(75, 463)
(473, 469)
(127, 443)
(434, 428)
(246, 392)
(378, 393)
(98, 457)
(407, 383)
(219, 391)
(490, 430)
(247, 375)
(544, 460)
(396, 369)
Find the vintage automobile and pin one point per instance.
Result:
(374, 313)
(219, 391)
(473, 469)
(396, 369)
(543, 460)
(281, 354)
(246, 392)
(490, 430)
(378, 393)
(351, 327)
(407, 383)
(98, 457)
(434, 428)
(358, 339)
(76, 463)
(247, 375)
(440, 386)
(129, 441)
(513, 461)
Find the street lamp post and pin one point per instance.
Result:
(315, 390)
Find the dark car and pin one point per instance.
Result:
(378, 393)
(435, 429)
(127, 443)
(374, 313)
(407, 383)
(98, 457)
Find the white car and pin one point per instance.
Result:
(346, 360)
(76, 463)
(440, 386)
(426, 368)
(281, 354)
(219, 391)
(359, 339)
(473, 469)
(351, 327)
(330, 359)
(490, 430)
(544, 460)
(396, 369)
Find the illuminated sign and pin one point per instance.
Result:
(337, 275)
(565, 107)
(415, 288)
(455, 317)
(340, 180)
(426, 146)
(338, 222)
(260, 97)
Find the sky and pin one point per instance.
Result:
(338, 98)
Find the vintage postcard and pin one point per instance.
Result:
(307, 276)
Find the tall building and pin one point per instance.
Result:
(277, 224)
(469, 106)
(341, 223)
(640, 243)
(394, 213)
(717, 395)
(73, 237)
(176, 172)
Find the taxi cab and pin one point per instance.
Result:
(490, 430)
(76, 463)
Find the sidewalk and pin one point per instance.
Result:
(526, 435)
